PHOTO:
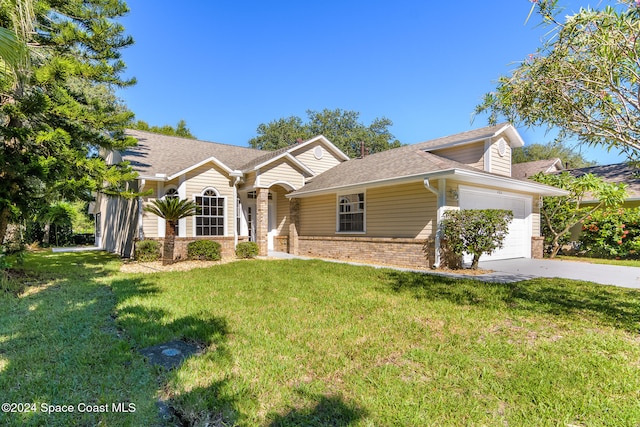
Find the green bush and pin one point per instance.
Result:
(474, 231)
(247, 250)
(147, 251)
(612, 234)
(207, 250)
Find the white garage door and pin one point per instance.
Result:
(518, 242)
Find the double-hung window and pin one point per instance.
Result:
(210, 217)
(351, 213)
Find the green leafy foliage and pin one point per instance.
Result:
(475, 231)
(561, 213)
(59, 108)
(180, 130)
(341, 127)
(247, 250)
(171, 209)
(583, 81)
(147, 251)
(612, 234)
(207, 250)
(531, 152)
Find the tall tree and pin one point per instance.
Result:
(341, 127)
(181, 129)
(570, 158)
(583, 81)
(58, 107)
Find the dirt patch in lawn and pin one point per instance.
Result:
(157, 267)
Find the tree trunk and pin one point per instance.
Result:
(169, 242)
(476, 260)
(555, 247)
(4, 222)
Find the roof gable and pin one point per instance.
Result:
(474, 136)
(164, 156)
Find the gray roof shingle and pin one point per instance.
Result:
(162, 154)
(616, 173)
(528, 169)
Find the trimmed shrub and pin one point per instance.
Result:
(474, 231)
(147, 251)
(612, 234)
(247, 250)
(206, 250)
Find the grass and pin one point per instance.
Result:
(293, 343)
(622, 262)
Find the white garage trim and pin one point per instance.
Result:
(518, 242)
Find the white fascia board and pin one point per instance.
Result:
(461, 175)
(506, 183)
(287, 156)
(165, 177)
(360, 185)
(515, 139)
(328, 144)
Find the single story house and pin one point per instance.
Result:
(311, 199)
(526, 170)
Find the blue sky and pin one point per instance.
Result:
(227, 66)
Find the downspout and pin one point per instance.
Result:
(440, 197)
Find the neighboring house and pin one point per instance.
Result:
(528, 169)
(616, 174)
(310, 199)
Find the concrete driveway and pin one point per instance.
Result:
(521, 269)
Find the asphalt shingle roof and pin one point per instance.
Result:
(528, 169)
(162, 154)
(616, 173)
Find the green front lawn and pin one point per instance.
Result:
(313, 343)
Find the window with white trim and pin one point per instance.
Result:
(351, 212)
(210, 217)
(172, 193)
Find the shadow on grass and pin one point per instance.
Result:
(328, 411)
(616, 307)
(59, 346)
(146, 324)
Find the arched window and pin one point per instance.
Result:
(210, 218)
(171, 193)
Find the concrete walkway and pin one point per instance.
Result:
(515, 270)
(522, 269)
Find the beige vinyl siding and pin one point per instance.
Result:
(282, 210)
(209, 176)
(501, 164)
(281, 171)
(536, 229)
(307, 157)
(249, 181)
(407, 210)
(472, 155)
(318, 216)
(149, 220)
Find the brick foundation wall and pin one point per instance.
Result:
(281, 244)
(397, 252)
(227, 245)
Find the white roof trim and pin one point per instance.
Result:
(515, 140)
(165, 177)
(507, 183)
(288, 156)
(325, 142)
(467, 176)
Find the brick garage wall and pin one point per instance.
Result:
(398, 252)
(227, 246)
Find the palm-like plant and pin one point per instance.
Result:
(171, 209)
